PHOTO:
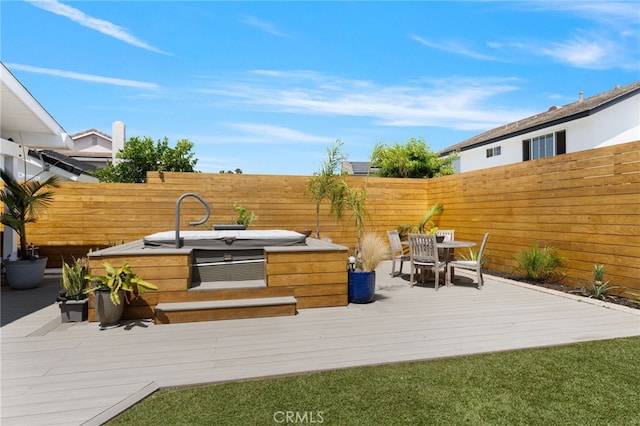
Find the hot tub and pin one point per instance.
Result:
(213, 240)
(229, 255)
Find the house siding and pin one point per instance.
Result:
(619, 123)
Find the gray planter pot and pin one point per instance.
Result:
(108, 313)
(74, 310)
(25, 274)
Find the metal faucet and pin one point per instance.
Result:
(200, 222)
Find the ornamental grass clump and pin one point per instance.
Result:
(373, 250)
(539, 264)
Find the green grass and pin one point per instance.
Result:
(593, 383)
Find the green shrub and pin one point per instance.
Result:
(539, 263)
(598, 288)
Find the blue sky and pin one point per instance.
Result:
(267, 87)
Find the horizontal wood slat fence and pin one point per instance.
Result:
(586, 204)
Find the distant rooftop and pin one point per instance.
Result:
(358, 168)
(555, 115)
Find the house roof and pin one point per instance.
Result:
(89, 132)
(52, 158)
(555, 115)
(358, 168)
(21, 112)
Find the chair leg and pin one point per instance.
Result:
(411, 277)
(436, 271)
(480, 279)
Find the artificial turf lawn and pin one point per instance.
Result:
(592, 383)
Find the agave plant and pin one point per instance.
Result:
(24, 202)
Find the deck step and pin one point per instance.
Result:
(211, 310)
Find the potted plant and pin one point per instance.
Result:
(109, 291)
(426, 225)
(23, 203)
(244, 219)
(362, 273)
(73, 297)
(370, 248)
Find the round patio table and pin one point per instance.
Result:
(448, 246)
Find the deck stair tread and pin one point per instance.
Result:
(228, 285)
(219, 304)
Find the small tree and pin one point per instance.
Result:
(23, 203)
(354, 199)
(323, 183)
(412, 160)
(142, 155)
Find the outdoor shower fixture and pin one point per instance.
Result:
(200, 222)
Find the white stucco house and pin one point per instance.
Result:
(29, 136)
(609, 118)
(33, 145)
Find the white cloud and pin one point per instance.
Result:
(456, 103)
(258, 133)
(100, 25)
(453, 47)
(265, 26)
(606, 38)
(85, 77)
(578, 52)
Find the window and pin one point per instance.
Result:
(544, 146)
(492, 152)
(94, 140)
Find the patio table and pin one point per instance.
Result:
(450, 245)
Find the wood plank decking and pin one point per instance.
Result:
(72, 374)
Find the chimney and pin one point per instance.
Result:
(118, 136)
(580, 97)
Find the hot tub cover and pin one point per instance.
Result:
(244, 239)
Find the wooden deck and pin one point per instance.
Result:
(72, 374)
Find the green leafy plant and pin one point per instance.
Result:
(24, 202)
(539, 263)
(141, 155)
(426, 224)
(354, 199)
(413, 160)
(118, 279)
(244, 217)
(74, 282)
(322, 184)
(598, 288)
(473, 256)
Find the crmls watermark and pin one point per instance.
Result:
(305, 417)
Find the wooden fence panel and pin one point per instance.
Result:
(587, 204)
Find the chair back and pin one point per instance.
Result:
(448, 234)
(423, 248)
(394, 242)
(482, 246)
